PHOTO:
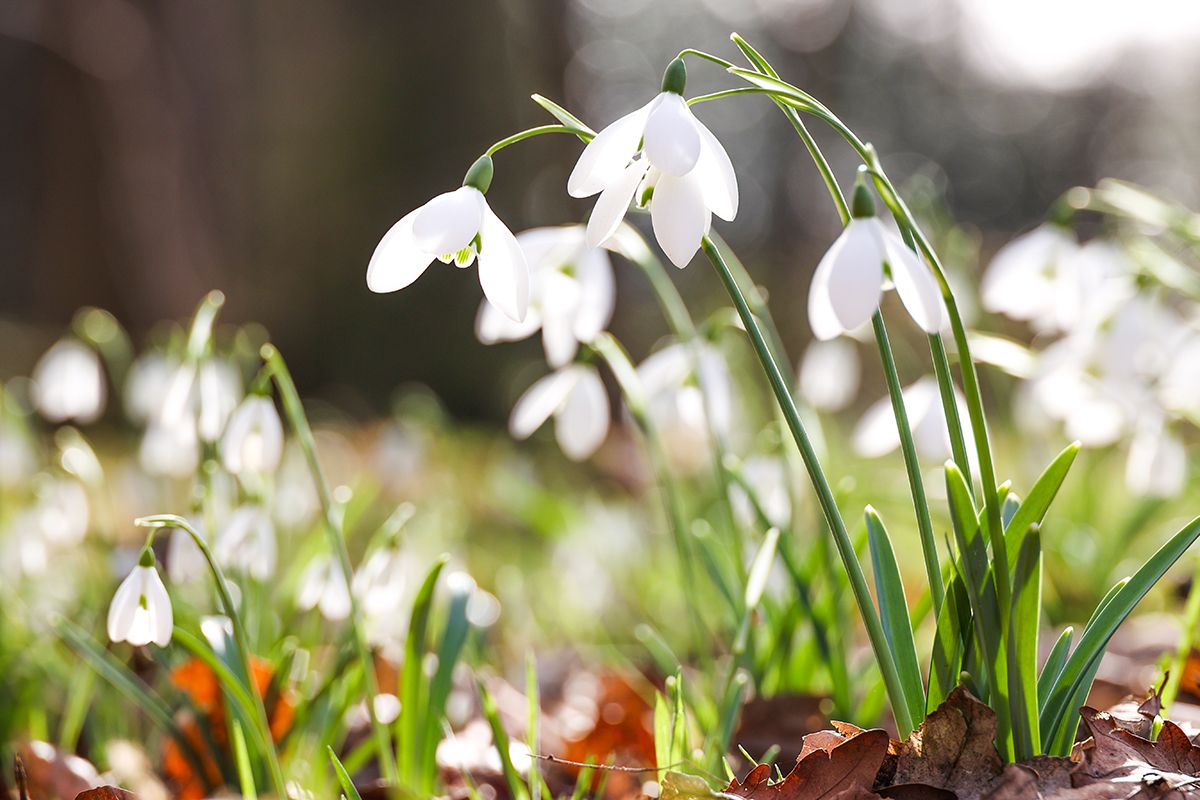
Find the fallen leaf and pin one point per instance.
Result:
(953, 748)
(831, 765)
(51, 773)
(106, 793)
(1116, 753)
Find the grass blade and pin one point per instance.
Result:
(242, 759)
(562, 115)
(533, 695)
(1023, 645)
(516, 786)
(454, 637)
(348, 787)
(893, 612)
(1054, 664)
(1033, 508)
(951, 637)
(412, 714)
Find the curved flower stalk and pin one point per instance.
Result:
(848, 283)
(456, 227)
(69, 384)
(571, 294)
(662, 154)
(140, 612)
(576, 398)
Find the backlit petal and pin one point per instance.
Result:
(398, 259)
(672, 141)
(503, 272)
(613, 203)
(680, 218)
(915, 284)
(602, 160)
(582, 422)
(856, 277)
(540, 400)
(448, 222)
(714, 172)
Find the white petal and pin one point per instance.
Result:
(1017, 281)
(541, 400)
(672, 142)
(829, 374)
(680, 218)
(915, 284)
(68, 383)
(558, 340)
(602, 160)
(158, 603)
(503, 273)
(123, 606)
(597, 294)
(449, 222)
(665, 369)
(714, 172)
(492, 325)
(613, 203)
(398, 259)
(821, 318)
(856, 276)
(582, 422)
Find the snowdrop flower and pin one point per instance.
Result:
(324, 586)
(876, 434)
(457, 227)
(148, 382)
(829, 374)
(1157, 462)
(247, 542)
(571, 294)
(68, 383)
(141, 609)
(62, 511)
(576, 398)
(849, 280)
(185, 561)
(769, 479)
(380, 582)
(661, 152)
(170, 449)
(685, 405)
(253, 440)
(219, 387)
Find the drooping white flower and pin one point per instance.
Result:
(140, 612)
(576, 398)
(324, 586)
(380, 582)
(170, 448)
(253, 439)
(247, 542)
(689, 395)
(829, 374)
(147, 384)
(849, 280)
(457, 227)
(571, 294)
(219, 388)
(663, 151)
(68, 383)
(876, 433)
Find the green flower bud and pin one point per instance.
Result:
(479, 176)
(675, 77)
(863, 204)
(147, 558)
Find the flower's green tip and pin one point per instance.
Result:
(863, 204)
(479, 176)
(147, 558)
(675, 77)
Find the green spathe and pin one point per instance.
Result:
(479, 176)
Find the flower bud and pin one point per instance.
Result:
(479, 176)
(863, 204)
(675, 77)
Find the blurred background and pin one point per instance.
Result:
(152, 151)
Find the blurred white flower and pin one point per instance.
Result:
(18, 459)
(62, 511)
(247, 542)
(219, 387)
(170, 448)
(1157, 462)
(876, 433)
(253, 439)
(147, 384)
(455, 227)
(380, 582)
(664, 151)
(849, 281)
(185, 562)
(576, 398)
(324, 586)
(687, 392)
(829, 374)
(768, 477)
(68, 383)
(571, 294)
(140, 612)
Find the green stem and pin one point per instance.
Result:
(958, 445)
(294, 410)
(858, 581)
(239, 637)
(538, 131)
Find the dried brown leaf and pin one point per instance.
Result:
(953, 748)
(832, 767)
(106, 793)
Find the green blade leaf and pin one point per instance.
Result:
(1033, 509)
(516, 786)
(562, 115)
(413, 700)
(951, 638)
(1054, 664)
(454, 637)
(348, 787)
(1105, 622)
(893, 612)
(1023, 645)
(242, 758)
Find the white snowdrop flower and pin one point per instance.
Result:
(219, 388)
(576, 398)
(146, 386)
(1157, 462)
(68, 383)
(457, 227)
(1019, 282)
(185, 562)
(141, 609)
(253, 439)
(62, 511)
(18, 459)
(829, 374)
(324, 586)
(876, 433)
(571, 294)
(849, 280)
(170, 449)
(769, 478)
(663, 152)
(688, 391)
(380, 582)
(247, 542)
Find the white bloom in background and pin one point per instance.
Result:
(324, 586)
(876, 433)
(688, 391)
(829, 374)
(146, 386)
(769, 478)
(68, 383)
(141, 609)
(576, 398)
(664, 151)
(849, 280)
(380, 582)
(457, 227)
(1157, 462)
(185, 562)
(253, 440)
(170, 449)
(247, 542)
(219, 388)
(62, 511)
(18, 459)
(571, 294)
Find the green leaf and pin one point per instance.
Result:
(533, 696)
(562, 115)
(1023, 645)
(242, 758)
(1074, 677)
(414, 695)
(516, 786)
(454, 637)
(662, 731)
(951, 638)
(348, 787)
(1054, 664)
(753, 56)
(1033, 509)
(893, 612)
